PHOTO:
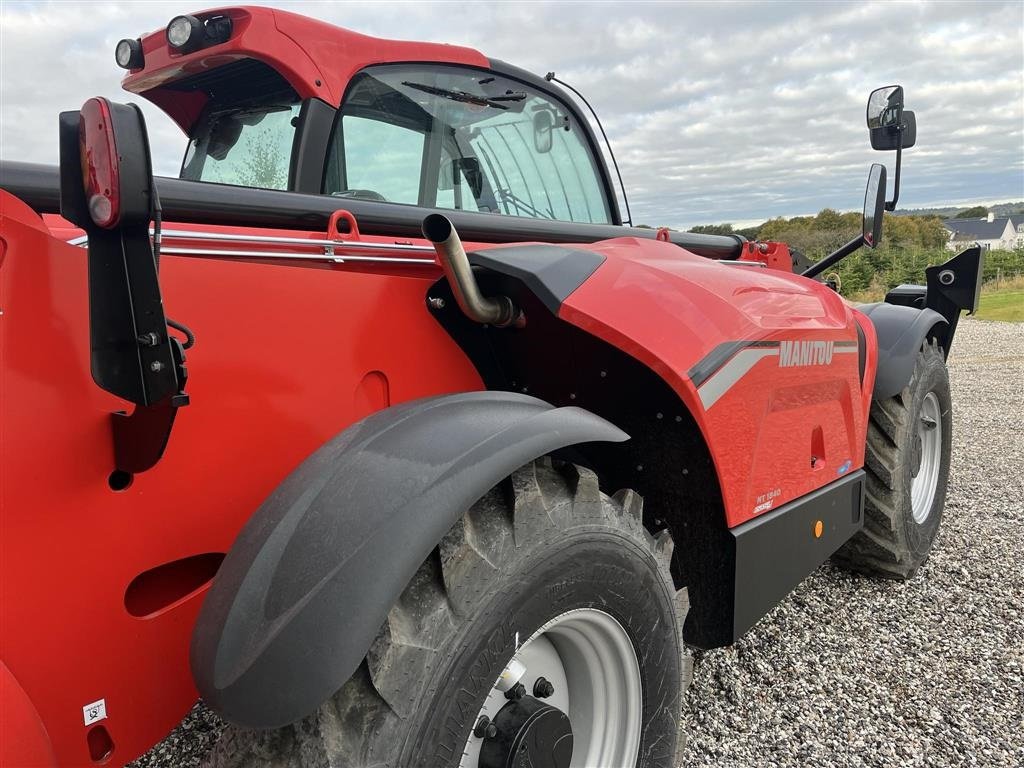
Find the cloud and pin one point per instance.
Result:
(717, 111)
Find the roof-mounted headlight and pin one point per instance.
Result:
(128, 54)
(185, 33)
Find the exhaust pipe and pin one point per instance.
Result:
(499, 310)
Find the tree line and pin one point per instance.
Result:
(909, 245)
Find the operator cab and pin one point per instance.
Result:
(436, 136)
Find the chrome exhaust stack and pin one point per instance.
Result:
(498, 311)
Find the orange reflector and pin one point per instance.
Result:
(819, 528)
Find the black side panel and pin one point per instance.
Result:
(778, 550)
(310, 579)
(310, 150)
(551, 272)
(199, 202)
(900, 331)
(952, 287)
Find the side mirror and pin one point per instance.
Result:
(889, 125)
(543, 131)
(874, 206)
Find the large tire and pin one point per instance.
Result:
(903, 446)
(542, 544)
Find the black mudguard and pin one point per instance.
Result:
(901, 331)
(310, 579)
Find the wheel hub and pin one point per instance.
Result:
(586, 707)
(530, 734)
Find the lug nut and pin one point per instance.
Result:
(543, 688)
(484, 728)
(517, 691)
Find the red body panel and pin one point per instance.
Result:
(670, 309)
(286, 357)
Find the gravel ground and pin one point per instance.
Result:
(850, 671)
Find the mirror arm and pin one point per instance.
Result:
(836, 256)
(891, 204)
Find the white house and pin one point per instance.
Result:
(1004, 233)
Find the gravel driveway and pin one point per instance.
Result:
(850, 671)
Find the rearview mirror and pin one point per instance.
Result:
(884, 106)
(543, 131)
(889, 125)
(874, 206)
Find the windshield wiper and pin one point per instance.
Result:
(468, 98)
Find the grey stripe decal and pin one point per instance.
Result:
(719, 356)
(734, 370)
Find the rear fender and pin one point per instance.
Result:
(312, 576)
(901, 331)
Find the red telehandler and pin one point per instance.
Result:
(463, 463)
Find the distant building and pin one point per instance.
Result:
(1005, 233)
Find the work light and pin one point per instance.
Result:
(128, 54)
(185, 33)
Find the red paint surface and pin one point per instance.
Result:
(276, 371)
(669, 308)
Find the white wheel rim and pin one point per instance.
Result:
(925, 483)
(590, 660)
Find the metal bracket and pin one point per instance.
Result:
(141, 436)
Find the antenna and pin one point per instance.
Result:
(551, 76)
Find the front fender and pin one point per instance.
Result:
(312, 576)
(901, 331)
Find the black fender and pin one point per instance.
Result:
(901, 331)
(309, 581)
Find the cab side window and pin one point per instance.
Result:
(382, 158)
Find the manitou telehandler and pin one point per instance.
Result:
(462, 464)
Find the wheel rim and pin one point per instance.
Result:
(926, 481)
(589, 659)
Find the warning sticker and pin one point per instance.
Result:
(93, 713)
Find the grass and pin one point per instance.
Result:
(1004, 305)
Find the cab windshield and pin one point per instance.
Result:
(464, 139)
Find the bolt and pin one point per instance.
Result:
(604, 374)
(484, 728)
(156, 366)
(661, 415)
(543, 688)
(946, 277)
(436, 302)
(517, 691)
(149, 339)
(639, 467)
(572, 395)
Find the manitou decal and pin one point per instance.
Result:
(805, 353)
(732, 360)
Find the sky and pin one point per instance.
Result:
(717, 112)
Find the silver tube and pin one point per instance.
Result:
(499, 310)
